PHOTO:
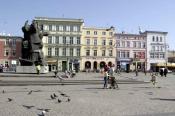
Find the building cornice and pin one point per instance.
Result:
(58, 19)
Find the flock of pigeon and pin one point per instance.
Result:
(52, 96)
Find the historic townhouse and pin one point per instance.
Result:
(156, 49)
(63, 44)
(131, 51)
(97, 48)
(10, 51)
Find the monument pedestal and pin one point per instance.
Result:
(31, 69)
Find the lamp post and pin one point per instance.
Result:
(67, 57)
(166, 55)
(136, 69)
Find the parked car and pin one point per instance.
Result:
(169, 71)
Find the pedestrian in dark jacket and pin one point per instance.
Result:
(165, 72)
(161, 72)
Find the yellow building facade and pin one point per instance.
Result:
(97, 48)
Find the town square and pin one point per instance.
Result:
(87, 58)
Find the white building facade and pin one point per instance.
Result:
(156, 49)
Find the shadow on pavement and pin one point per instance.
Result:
(164, 99)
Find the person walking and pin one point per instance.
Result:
(38, 68)
(165, 72)
(106, 76)
(161, 72)
(1, 68)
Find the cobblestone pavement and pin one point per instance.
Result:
(89, 100)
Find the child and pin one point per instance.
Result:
(153, 79)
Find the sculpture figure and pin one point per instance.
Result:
(32, 45)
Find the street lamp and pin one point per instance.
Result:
(67, 57)
(166, 55)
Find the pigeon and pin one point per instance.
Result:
(64, 95)
(28, 107)
(68, 99)
(59, 101)
(3, 91)
(54, 95)
(9, 99)
(30, 92)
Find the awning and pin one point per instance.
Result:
(166, 64)
(51, 61)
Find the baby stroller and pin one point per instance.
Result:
(113, 82)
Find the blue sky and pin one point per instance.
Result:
(125, 15)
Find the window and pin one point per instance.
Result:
(153, 48)
(64, 40)
(13, 42)
(151, 55)
(57, 40)
(95, 32)
(64, 52)
(162, 55)
(13, 52)
(118, 43)
(7, 42)
(103, 52)
(139, 44)
(88, 41)
(134, 44)
(56, 51)
(103, 33)
(128, 44)
(75, 28)
(110, 52)
(95, 52)
(6, 53)
(49, 51)
(95, 42)
(118, 54)
(50, 27)
(78, 51)
(153, 38)
(87, 52)
(61, 28)
(71, 40)
(49, 39)
(110, 42)
(161, 48)
(122, 54)
(156, 55)
(87, 32)
(157, 48)
(157, 38)
(104, 42)
(57, 27)
(78, 40)
(71, 52)
(143, 45)
(110, 33)
(123, 43)
(68, 28)
(160, 39)
(53, 27)
(127, 54)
